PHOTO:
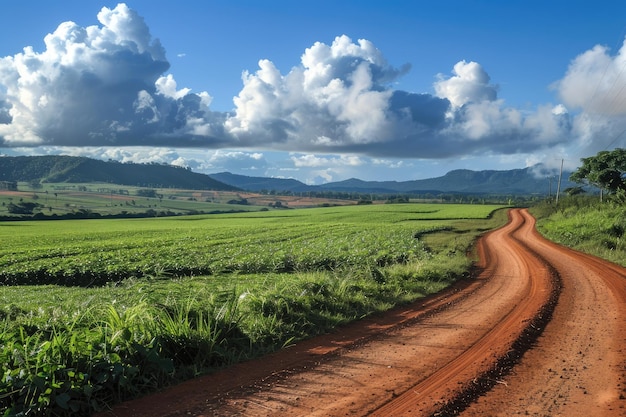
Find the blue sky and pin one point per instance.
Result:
(317, 91)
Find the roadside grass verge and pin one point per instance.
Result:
(68, 350)
(585, 224)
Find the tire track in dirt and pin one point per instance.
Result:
(578, 366)
(445, 392)
(433, 356)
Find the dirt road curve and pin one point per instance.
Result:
(464, 351)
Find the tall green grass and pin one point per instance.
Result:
(586, 224)
(72, 350)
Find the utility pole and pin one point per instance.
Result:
(558, 188)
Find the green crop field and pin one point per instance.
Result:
(97, 311)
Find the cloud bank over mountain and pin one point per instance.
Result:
(108, 85)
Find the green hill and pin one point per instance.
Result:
(70, 169)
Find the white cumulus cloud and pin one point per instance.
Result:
(336, 97)
(595, 88)
(99, 85)
(107, 85)
(470, 84)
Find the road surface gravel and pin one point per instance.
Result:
(540, 330)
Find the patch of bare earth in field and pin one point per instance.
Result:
(483, 347)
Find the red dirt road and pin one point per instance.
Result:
(540, 331)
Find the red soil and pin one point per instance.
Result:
(541, 330)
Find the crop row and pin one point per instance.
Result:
(200, 252)
(93, 253)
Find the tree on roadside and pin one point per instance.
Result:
(606, 170)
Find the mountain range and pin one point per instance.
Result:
(69, 169)
(462, 181)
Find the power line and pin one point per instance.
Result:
(614, 140)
